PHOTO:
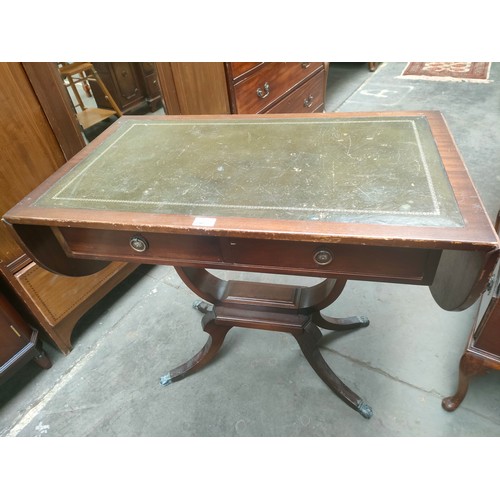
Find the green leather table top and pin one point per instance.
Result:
(384, 170)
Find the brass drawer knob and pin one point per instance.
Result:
(323, 257)
(138, 243)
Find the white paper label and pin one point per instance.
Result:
(204, 221)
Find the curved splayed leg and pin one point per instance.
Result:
(217, 335)
(308, 340)
(339, 324)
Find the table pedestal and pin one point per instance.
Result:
(265, 306)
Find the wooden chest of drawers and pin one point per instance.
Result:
(269, 85)
(18, 341)
(243, 87)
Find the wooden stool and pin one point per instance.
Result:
(83, 72)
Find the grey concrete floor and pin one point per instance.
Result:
(403, 364)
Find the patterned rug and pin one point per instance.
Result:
(448, 71)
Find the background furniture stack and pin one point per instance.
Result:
(134, 86)
(243, 87)
(40, 131)
(38, 134)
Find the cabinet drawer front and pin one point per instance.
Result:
(270, 83)
(155, 248)
(126, 81)
(151, 84)
(15, 334)
(308, 98)
(240, 68)
(407, 265)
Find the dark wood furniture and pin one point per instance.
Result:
(243, 87)
(133, 86)
(38, 133)
(364, 196)
(19, 342)
(482, 352)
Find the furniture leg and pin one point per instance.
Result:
(308, 340)
(285, 308)
(211, 348)
(470, 365)
(339, 324)
(42, 360)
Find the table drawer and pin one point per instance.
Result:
(407, 265)
(308, 98)
(270, 83)
(155, 248)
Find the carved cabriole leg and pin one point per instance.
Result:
(470, 365)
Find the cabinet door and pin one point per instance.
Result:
(30, 151)
(123, 83)
(127, 82)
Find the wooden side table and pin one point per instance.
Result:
(335, 196)
(483, 347)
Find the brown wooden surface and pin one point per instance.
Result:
(281, 77)
(218, 88)
(196, 88)
(476, 239)
(30, 150)
(476, 234)
(57, 310)
(238, 69)
(308, 98)
(37, 132)
(56, 104)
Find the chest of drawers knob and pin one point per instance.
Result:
(264, 93)
(308, 101)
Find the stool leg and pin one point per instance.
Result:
(106, 92)
(75, 91)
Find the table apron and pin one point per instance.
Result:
(361, 262)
